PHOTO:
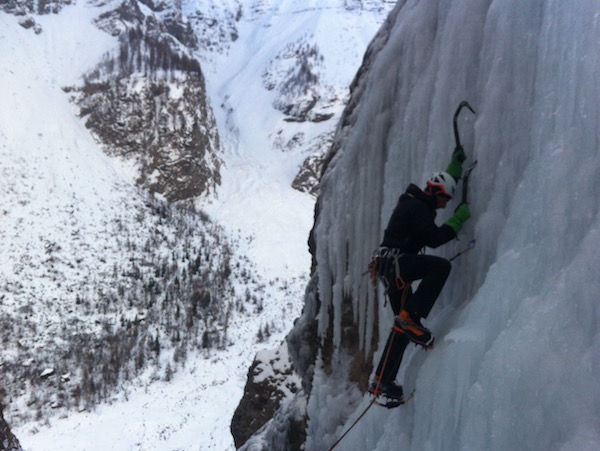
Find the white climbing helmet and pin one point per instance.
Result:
(441, 184)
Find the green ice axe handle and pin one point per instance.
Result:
(462, 104)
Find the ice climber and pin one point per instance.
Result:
(412, 227)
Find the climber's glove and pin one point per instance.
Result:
(455, 166)
(461, 215)
(459, 155)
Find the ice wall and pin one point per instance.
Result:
(517, 357)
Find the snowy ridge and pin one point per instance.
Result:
(516, 363)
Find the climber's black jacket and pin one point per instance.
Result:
(412, 224)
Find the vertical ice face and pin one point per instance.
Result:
(516, 363)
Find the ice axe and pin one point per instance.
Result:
(466, 181)
(462, 104)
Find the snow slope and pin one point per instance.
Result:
(253, 131)
(58, 185)
(516, 363)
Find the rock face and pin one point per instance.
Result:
(8, 442)
(147, 103)
(271, 381)
(307, 179)
(165, 128)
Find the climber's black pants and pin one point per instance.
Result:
(432, 272)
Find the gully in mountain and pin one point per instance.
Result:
(398, 262)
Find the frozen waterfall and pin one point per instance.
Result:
(517, 357)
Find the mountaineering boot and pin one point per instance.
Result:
(388, 389)
(413, 329)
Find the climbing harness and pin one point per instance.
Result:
(379, 268)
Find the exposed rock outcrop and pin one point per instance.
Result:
(147, 103)
(8, 442)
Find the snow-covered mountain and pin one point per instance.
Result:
(118, 303)
(516, 362)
